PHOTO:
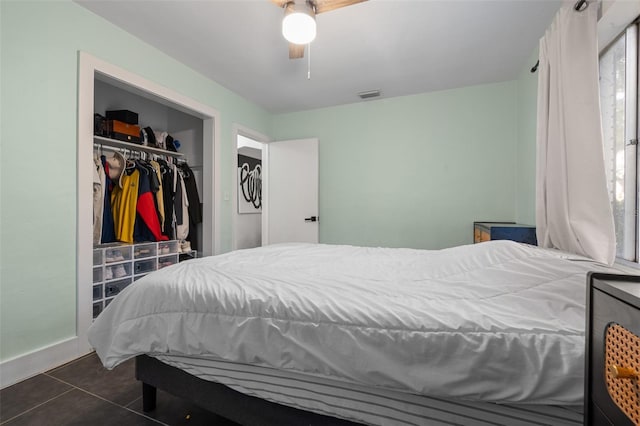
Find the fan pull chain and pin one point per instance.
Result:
(309, 62)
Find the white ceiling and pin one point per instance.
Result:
(400, 47)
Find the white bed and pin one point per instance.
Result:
(497, 322)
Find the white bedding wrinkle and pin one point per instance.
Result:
(497, 321)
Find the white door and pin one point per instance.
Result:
(290, 192)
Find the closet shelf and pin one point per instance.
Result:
(100, 140)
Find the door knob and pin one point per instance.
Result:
(311, 219)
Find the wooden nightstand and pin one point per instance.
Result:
(487, 231)
(612, 357)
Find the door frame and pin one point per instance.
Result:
(88, 68)
(238, 129)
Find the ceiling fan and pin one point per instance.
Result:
(299, 23)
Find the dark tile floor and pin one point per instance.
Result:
(83, 392)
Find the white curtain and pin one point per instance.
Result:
(573, 212)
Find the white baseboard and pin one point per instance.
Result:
(20, 368)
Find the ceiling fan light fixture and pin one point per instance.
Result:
(299, 24)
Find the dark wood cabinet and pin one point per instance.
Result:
(612, 344)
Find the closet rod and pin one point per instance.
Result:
(106, 142)
(179, 157)
(578, 8)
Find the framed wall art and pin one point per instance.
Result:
(249, 184)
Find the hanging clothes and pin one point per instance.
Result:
(168, 195)
(140, 200)
(181, 207)
(108, 230)
(195, 206)
(147, 225)
(158, 193)
(99, 183)
(177, 200)
(141, 231)
(123, 202)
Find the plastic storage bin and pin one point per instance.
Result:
(114, 272)
(168, 247)
(118, 265)
(114, 287)
(97, 256)
(141, 251)
(97, 308)
(97, 274)
(165, 261)
(144, 266)
(97, 292)
(117, 254)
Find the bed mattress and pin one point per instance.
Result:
(497, 321)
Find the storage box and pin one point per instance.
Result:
(116, 271)
(122, 131)
(123, 115)
(169, 260)
(115, 287)
(140, 251)
(144, 266)
(97, 292)
(97, 308)
(168, 247)
(97, 256)
(125, 138)
(117, 253)
(97, 274)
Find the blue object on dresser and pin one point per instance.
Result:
(487, 231)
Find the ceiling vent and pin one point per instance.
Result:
(369, 94)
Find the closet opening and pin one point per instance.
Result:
(170, 145)
(176, 134)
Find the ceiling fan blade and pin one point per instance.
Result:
(280, 3)
(329, 5)
(296, 51)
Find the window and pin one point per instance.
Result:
(619, 105)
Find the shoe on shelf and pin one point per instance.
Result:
(108, 274)
(114, 256)
(120, 271)
(185, 246)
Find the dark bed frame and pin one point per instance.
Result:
(220, 399)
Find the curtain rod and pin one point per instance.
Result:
(578, 8)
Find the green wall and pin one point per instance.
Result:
(38, 83)
(413, 171)
(526, 150)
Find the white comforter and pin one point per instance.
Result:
(497, 321)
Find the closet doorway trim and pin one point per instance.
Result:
(89, 69)
(238, 129)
